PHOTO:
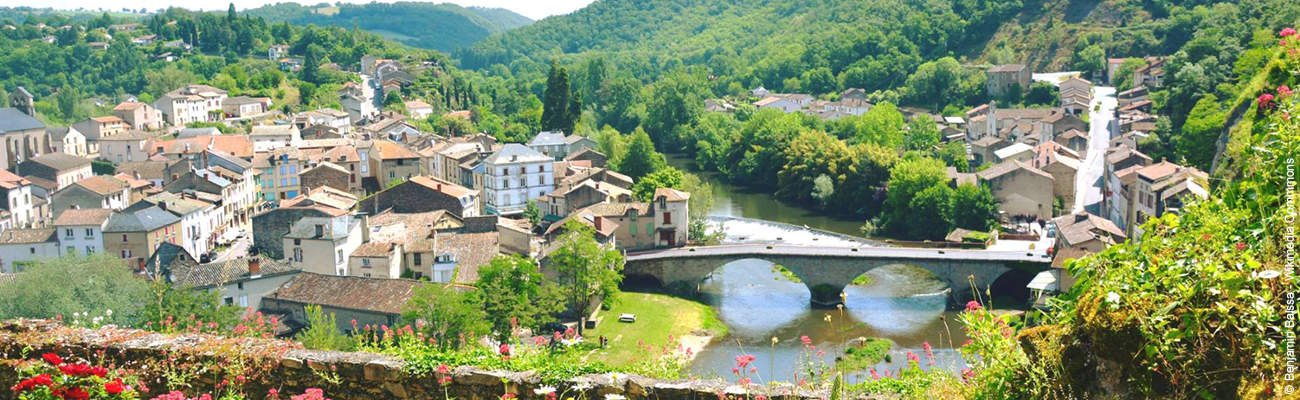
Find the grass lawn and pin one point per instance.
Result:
(657, 316)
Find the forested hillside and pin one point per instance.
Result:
(443, 27)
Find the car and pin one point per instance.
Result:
(627, 318)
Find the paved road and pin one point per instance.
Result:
(857, 252)
(236, 250)
(1088, 184)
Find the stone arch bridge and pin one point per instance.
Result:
(827, 270)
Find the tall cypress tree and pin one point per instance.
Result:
(560, 108)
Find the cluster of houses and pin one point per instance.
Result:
(851, 102)
(325, 202)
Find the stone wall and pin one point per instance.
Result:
(284, 366)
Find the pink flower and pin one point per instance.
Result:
(806, 341)
(1287, 32)
(1241, 246)
(743, 360)
(973, 306)
(443, 369)
(1264, 100)
(505, 349)
(1283, 91)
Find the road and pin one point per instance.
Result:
(1088, 184)
(1039, 256)
(237, 249)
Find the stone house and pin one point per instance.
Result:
(393, 162)
(1002, 78)
(98, 191)
(376, 260)
(125, 147)
(368, 301)
(271, 225)
(278, 177)
(97, 128)
(141, 116)
(661, 222)
(67, 140)
(134, 235)
(192, 103)
(323, 244)
(240, 282)
(1063, 164)
(596, 158)
(62, 169)
(243, 106)
(424, 194)
(1021, 189)
(271, 137)
(327, 174)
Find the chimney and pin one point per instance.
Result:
(597, 222)
(254, 266)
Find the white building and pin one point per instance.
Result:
(81, 231)
(323, 245)
(18, 201)
(198, 220)
(513, 176)
(270, 137)
(22, 246)
(193, 103)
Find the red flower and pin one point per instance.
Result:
(973, 306)
(114, 387)
(1283, 91)
(1264, 100)
(806, 341)
(444, 369)
(507, 396)
(99, 371)
(1287, 32)
(52, 358)
(76, 369)
(38, 380)
(76, 393)
(1241, 246)
(743, 360)
(505, 349)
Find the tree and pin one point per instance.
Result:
(67, 99)
(882, 125)
(532, 213)
(322, 332)
(1041, 94)
(312, 60)
(514, 295)
(641, 158)
(168, 301)
(927, 211)
(560, 108)
(61, 286)
(667, 177)
(1091, 60)
(819, 81)
(907, 179)
(1200, 132)
(921, 134)
(677, 100)
(972, 207)
(449, 314)
(823, 188)
(1123, 78)
(585, 270)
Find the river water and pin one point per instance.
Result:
(903, 304)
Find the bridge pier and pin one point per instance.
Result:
(826, 295)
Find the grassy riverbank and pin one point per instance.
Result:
(658, 316)
(864, 354)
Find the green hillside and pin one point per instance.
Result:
(443, 27)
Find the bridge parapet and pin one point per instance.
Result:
(827, 270)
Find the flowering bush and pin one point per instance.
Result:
(52, 377)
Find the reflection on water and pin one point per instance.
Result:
(906, 305)
(902, 304)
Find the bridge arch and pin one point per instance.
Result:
(826, 271)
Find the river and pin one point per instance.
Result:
(903, 304)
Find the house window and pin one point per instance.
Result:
(228, 300)
(297, 254)
(123, 238)
(126, 253)
(31, 250)
(297, 242)
(668, 218)
(90, 233)
(365, 263)
(417, 258)
(340, 257)
(67, 232)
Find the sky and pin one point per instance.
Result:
(535, 9)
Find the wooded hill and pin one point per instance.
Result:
(443, 27)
